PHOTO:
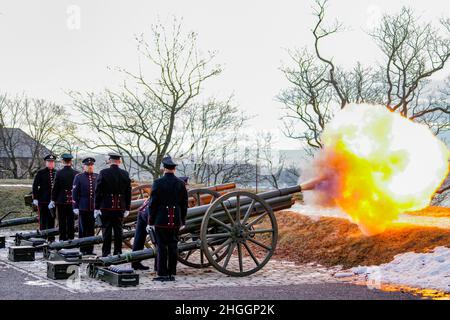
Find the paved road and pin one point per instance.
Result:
(13, 286)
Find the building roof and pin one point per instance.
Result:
(22, 143)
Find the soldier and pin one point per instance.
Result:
(83, 201)
(112, 203)
(42, 191)
(140, 234)
(62, 198)
(167, 213)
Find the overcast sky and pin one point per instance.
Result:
(45, 51)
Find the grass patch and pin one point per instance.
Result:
(16, 181)
(11, 199)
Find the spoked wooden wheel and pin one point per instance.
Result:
(195, 258)
(249, 233)
(201, 196)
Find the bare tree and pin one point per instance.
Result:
(144, 123)
(39, 119)
(320, 32)
(413, 51)
(433, 108)
(229, 164)
(307, 100)
(224, 162)
(293, 174)
(274, 164)
(210, 126)
(318, 87)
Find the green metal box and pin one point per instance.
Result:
(118, 279)
(61, 270)
(21, 253)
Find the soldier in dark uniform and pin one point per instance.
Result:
(62, 198)
(140, 235)
(112, 203)
(42, 192)
(167, 213)
(83, 201)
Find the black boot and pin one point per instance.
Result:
(161, 278)
(139, 266)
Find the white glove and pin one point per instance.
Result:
(51, 205)
(35, 202)
(76, 211)
(97, 213)
(126, 214)
(148, 228)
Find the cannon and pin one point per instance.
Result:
(16, 252)
(4, 223)
(237, 233)
(81, 242)
(196, 196)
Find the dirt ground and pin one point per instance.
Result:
(335, 241)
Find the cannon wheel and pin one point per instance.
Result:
(187, 258)
(240, 234)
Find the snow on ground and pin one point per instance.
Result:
(419, 270)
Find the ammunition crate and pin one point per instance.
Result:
(61, 270)
(21, 253)
(2, 242)
(28, 199)
(117, 279)
(68, 255)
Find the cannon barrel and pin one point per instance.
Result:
(139, 255)
(193, 223)
(19, 236)
(231, 203)
(18, 221)
(82, 242)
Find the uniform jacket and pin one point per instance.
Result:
(62, 189)
(113, 190)
(43, 185)
(168, 202)
(83, 191)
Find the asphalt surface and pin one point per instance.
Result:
(13, 287)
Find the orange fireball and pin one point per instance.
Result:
(378, 164)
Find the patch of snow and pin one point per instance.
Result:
(420, 270)
(344, 274)
(440, 222)
(318, 211)
(39, 283)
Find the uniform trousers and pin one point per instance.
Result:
(66, 221)
(167, 245)
(46, 221)
(86, 228)
(111, 222)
